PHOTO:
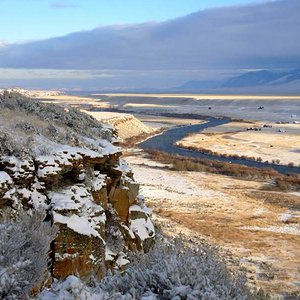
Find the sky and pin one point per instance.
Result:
(132, 44)
(25, 20)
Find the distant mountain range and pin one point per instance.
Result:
(262, 78)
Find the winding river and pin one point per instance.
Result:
(166, 142)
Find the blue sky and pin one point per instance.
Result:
(25, 20)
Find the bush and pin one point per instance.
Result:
(173, 270)
(10, 146)
(168, 271)
(24, 247)
(181, 163)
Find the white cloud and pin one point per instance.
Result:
(257, 36)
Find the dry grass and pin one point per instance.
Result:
(267, 144)
(280, 181)
(133, 141)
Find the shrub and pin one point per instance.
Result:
(24, 246)
(10, 146)
(181, 163)
(173, 270)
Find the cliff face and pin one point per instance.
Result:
(64, 162)
(127, 125)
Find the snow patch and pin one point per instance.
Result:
(143, 228)
(77, 224)
(288, 229)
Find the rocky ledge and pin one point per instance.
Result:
(80, 181)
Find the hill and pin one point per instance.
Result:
(263, 77)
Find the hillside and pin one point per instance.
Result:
(61, 162)
(261, 82)
(126, 125)
(263, 77)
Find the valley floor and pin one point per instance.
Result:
(259, 227)
(253, 226)
(279, 142)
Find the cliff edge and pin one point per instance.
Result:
(64, 162)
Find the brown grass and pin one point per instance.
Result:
(133, 141)
(281, 181)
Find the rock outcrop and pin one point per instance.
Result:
(87, 191)
(127, 125)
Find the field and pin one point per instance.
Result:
(259, 227)
(281, 143)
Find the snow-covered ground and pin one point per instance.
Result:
(229, 213)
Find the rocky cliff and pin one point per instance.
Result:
(64, 162)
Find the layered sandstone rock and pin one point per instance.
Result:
(78, 188)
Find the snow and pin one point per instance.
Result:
(155, 187)
(54, 160)
(129, 231)
(287, 229)
(24, 192)
(108, 148)
(135, 208)
(123, 167)
(99, 181)
(143, 228)
(77, 224)
(70, 289)
(5, 178)
(62, 201)
(92, 257)
(50, 165)
(20, 168)
(38, 200)
(64, 155)
(122, 260)
(83, 214)
(75, 197)
(66, 256)
(109, 255)
(143, 209)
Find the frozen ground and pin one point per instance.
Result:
(231, 213)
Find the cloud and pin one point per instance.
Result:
(3, 43)
(61, 5)
(264, 35)
(8, 74)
